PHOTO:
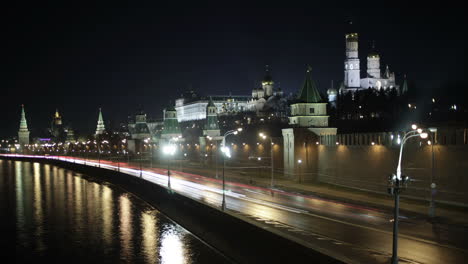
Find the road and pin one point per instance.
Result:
(352, 233)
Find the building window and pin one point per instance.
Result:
(311, 110)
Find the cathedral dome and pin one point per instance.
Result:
(332, 91)
(373, 54)
(267, 78)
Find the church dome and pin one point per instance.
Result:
(267, 78)
(373, 52)
(332, 91)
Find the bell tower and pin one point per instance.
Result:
(352, 78)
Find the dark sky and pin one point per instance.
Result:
(119, 58)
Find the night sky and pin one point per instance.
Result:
(122, 58)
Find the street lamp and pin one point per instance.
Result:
(432, 184)
(397, 182)
(271, 156)
(139, 159)
(169, 150)
(227, 153)
(216, 155)
(299, 162)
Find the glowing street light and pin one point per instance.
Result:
(169, 150)
(227, 153)
(397, 182)
(271, 157)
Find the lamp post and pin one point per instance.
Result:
(271, 157)
(139, 159)
(99, 155)
(227, 153)
(118, 162)
(216, 154)
(216, 159)
(299, 162)
(169, 150)
(396, 183)
(432, 184)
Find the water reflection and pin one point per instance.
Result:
(107, 213)
(172, 248)
(20, 217)
(149, 236)
(38, 210)
(125, 228)
(61, 216)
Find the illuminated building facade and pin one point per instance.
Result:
(23, 133)
(373, 78)
(100, 129)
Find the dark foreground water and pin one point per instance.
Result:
(50, 215)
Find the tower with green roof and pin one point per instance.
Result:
(171, 125)
(309, 126)
(404, 88)
(211, 127)
(23, 133)
(100, 128)
(309, 110)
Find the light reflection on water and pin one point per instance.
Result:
(63, 216)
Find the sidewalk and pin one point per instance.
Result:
(445, 214)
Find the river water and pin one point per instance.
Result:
(57, 215)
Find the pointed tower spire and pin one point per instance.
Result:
(100, 124)
(309, 92)
(23, 133)
(387, 72)
(404, 88)
(211, 126)
(23, 122)
(57, 118)
(171, 124)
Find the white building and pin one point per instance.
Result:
(373, 78)
(194, 108)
